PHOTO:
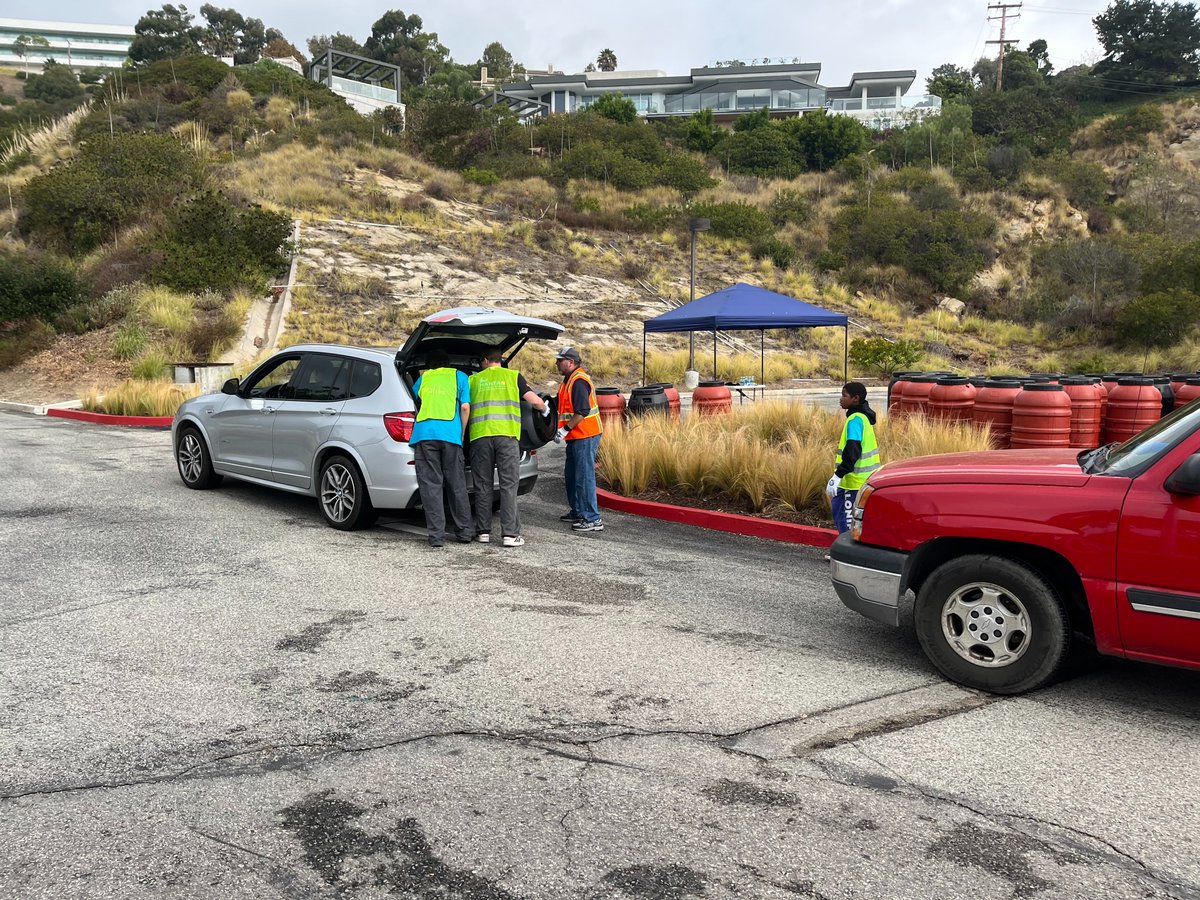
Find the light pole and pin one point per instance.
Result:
(694, 227)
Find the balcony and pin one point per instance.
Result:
(926, 102)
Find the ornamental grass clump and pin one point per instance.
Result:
(140, 398)
(772, 457)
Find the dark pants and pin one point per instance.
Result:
(440, 471)
(503, 455)
(581, 478)
(843, 509)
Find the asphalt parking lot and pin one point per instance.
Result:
(215, 695)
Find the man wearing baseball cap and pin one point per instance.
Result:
(579, 427)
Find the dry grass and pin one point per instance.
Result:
(771, 456)
(140, 398)
(45, 142)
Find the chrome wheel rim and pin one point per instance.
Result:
(338, 495)
(986, 625)
(191, 458)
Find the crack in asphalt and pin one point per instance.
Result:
(1123, 859)
(120, 597)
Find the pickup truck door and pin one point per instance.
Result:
(1158, 578)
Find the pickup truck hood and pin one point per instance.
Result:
(1041, 467)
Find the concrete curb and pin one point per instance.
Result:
(105, 419)
(719, 521)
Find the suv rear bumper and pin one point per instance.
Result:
(867, 579)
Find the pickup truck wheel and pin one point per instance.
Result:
(992, 624)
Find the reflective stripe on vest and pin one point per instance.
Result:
(590, 425)
(495, 404)
(868, 462)
(439, 390)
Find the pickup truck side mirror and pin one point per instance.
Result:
(1185, 479)
(230, 386)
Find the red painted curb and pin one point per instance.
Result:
(719, 521)
(105, 419)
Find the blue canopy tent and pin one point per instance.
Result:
(744, 307)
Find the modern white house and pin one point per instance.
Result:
(366, 84)
(75, 44)
(877, 99)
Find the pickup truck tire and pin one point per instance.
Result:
(992, 624)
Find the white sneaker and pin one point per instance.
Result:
(483, 537)
(514, 540)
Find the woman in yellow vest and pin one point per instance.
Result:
(579, 426)
(444, 402)
(857, 455)
(494, 429)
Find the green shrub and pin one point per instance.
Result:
(586, 203)
(1133, 126)
(1086, 183)
(483, 177)
(80, 204)
(129, 341)
(1157, 320)
(766, 152)
(210, 244)
(781, 253)
(55, 84)
(617, 107)
(652, 218)
(151, 365)
(22, 342)
(879, 356)
(686, 173)
(789, 208)
(36, 286)
(734, 220)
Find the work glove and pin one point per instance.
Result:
(831, 488)
(560, 435)
(546, 410)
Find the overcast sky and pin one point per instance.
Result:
(845, 37)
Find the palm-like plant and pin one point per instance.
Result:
(607, 60)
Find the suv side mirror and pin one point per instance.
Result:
(231, 386)
(1185, 479)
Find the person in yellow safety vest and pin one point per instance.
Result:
(579, 426)
(444, 403)
(857, 454)
(494, 433)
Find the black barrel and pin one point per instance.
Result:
(650, 400)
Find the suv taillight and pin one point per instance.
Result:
(400, 425)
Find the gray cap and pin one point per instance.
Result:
(570, 353)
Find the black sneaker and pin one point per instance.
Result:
(570, 518)
(580, 527)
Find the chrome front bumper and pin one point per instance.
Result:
(867, 579)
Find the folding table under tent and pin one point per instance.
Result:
(744, 307)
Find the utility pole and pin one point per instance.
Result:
(1003, 18)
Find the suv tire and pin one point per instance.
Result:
(342, 495)
(194, 461)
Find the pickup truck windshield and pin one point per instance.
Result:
(1141, 451)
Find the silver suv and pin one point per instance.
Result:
(334, 422)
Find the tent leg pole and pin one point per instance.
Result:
(715, 378)
(846, 356)
(762, 357)
(643, 359)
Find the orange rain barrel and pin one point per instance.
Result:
(952, 398)
(672, 398)
(896, 389)
(1178, 380)
(994, 408)
(1135, 405)
(915, 399)
(1085, 411)
(1045, 377)
(1188, 391)
(712, 398)
(648, 400)
(1041, 417)
(612, 405)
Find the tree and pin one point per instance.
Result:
(56, 83)
(760, 118)
(607, 60)
(590, 67)
(1039, 51)
(499, 62)
(949, 81)
(703, 133)
(229, 33)
(617, 107)
(822, 141)
(280, 47)
(22, 44)
(984, 73)
(398, 39)
(319, 43)
(1148, 41)
(1020, 70)
(163, 33)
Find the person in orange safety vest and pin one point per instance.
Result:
(580, 429)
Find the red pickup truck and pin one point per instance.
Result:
(1001, 561)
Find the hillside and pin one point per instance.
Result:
(1046, 253)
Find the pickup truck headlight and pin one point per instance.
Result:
(860, 509)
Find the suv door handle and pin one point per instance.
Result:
(268, 410)
(328, 411)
